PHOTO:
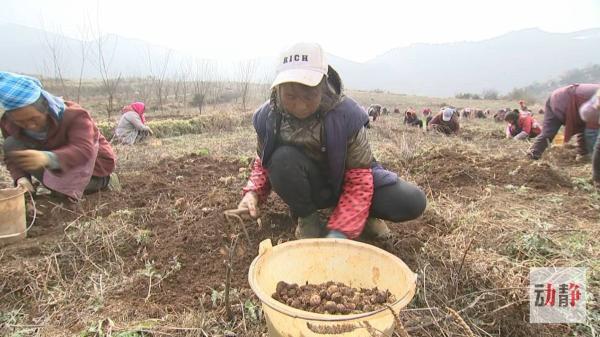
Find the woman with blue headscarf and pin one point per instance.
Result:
(56, 142)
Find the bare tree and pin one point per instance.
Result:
(246, 72)
(263, 88)
(201, 82)
(84, 34)
(219, 89)
(176, 84)
(185, 71)
(159, 75)
(110, 82)
(55, 45)
(145, 88)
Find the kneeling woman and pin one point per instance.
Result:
(313, 151)
(132, 126)
(56, 142)
(521, 126)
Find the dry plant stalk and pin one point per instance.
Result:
(229, 265)
(461, 321)
(399, 325)
(235, 213)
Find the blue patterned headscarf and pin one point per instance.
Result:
(17, 91)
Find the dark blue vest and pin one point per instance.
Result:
(341, 123)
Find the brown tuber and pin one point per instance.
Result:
(315, 300)
(281, 287)
(330, 307)
(332, 298)
(331, 290)
(336, 297)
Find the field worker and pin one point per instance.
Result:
(524, 110)
(374, 111)
(132, 126)
(590, 112)
(480, 114)
(427, 116)
(521, 126)
(55, 141)
(591, 124)
(499, 115)
(445, 122)
(411, 119)
(314, 153)
(466, 113)
(522, 105)
(562, 108)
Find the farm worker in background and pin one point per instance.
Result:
(374, 111)
(591, 124)
(55, 141)
(466, 113)
(132, 126)
(411, 119)
(314, 152)
(499, 115)
(521, 126)
(523, 107)
(590, 112)
(445, 122)
(427, 116)
(562, 108)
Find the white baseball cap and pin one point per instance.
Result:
(303, 63)
(447, 114)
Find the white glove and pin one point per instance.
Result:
(26, 184)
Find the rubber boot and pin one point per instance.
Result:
(309, 227)
(376, 229)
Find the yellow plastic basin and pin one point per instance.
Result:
(12, 215)
(320, 260)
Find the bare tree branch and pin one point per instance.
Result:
(246, 72)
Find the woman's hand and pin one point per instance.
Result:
(250, 202)
(29, 160)
(26, 184)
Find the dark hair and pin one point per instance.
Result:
(512, 116)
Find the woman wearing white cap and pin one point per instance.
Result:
(313, 151)
(445, 122)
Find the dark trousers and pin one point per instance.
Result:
(305, 189)
(551, 127)
(12, 144)
(596, 161)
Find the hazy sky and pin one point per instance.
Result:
(356, 30)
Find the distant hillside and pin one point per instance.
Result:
(512, 60)
(29, 50)
(509, 61)
(539, 91)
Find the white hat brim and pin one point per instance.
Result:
(303, 76)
